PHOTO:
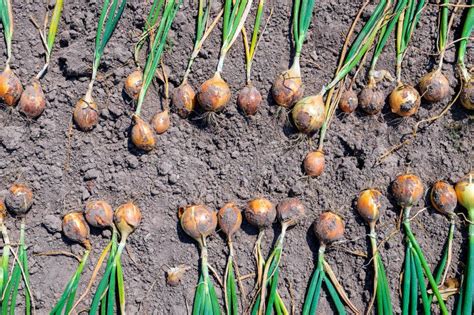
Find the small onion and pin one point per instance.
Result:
(249, 100)
(229, 218)
(10, 87)
(443, 197)
(19, 199)
(434, 86)
(86, 114)
(349, 101)
(371, 100)
(127, 217)
(161, 122)
(99, 214)
(407, 190)
(288, 88)
(467, 95)
(142, 135)
(308, 114)
(198, 221)
(404, 100)
(133, 84)
(260, 212)
(214, 94)
(329, 227)
(369, 205)
(465, 191)
(76, 229)
(313, 163)
(184, 100)
(290, 211)
(32, 101)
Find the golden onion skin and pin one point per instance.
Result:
(371, 100)
(230, 219)
(198, 221)
(32, 101)
(465, 191)
(260, 212)
(127, 217)
(184, 100)
(19, 199)
(467, 95)
(161, 122)
(287, 89)
(329, 227)
(290, 211)
(133, 84)
(349, 101)
(249, 100)
(404, 100)
(10, 87)
(434, 86)
(308, 114)
(407, 190)
(214, 94)
(86, 115)
(76, 229)
(443, 197)
(313, 163)
(99, 214)
(369, 204)
(142, 135)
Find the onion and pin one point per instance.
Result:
(249, 99)
(288, 88)
(349, 101)
(198, 221)
(127, 217)
(443, 197)
(329, 227)
(308, 114)
(32, 101)
(404, 100)
(10, 87)
(434, 86)
(214, 94)
(230, 219)
(369, 204)
(133, 84)
(467, 95)
(86, 114)
(290, 211)
(99, 214)
(465, 191)
(19, 199)
(161, 122)
(76, 229)
(184, 100)
(142, 135)
(260, 212)
(313, 163)
(371, 100)
(407, 190)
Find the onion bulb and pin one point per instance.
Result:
(260, 212)
(3, 210)
(404, 100)
(230, 219)
(198, 221)
(369, 204)
(127, 217)
(133, 84)
(465, 191)
(99, 214)
(32, 101)
(349, 101)
(19, 199)
(467, 95)
(184, 100)
(434, 86)
(214, 94)
(407, 190)
(290, 211)
(288, 88)
(371, 100)
(86, 114)
(10, 87)
(161, 122)
(142, 135)
(76, 229)
(313, 163)
(249, 99)
(308, 114)
(329, 228)
(443, 197)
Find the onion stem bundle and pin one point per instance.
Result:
(467, 93)
(86, 111)
(408, 190)
(465, 193)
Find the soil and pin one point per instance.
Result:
(236, 160)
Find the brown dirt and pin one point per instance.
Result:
(235, 161)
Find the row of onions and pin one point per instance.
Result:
(97, 214)
(420, 286)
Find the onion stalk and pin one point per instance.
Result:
(142, 134)
(86, 112)
(32, 101)
(289, 212)
(5, 249)
(18, 202)
(214, 94)
(369, 205)
(127, 218)
(184, 97)
(467, 92)
(404, 100)
(328, 228)
(465, 193)
(198, 221)
(10, 85)
(408, 190)
(249, 97)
